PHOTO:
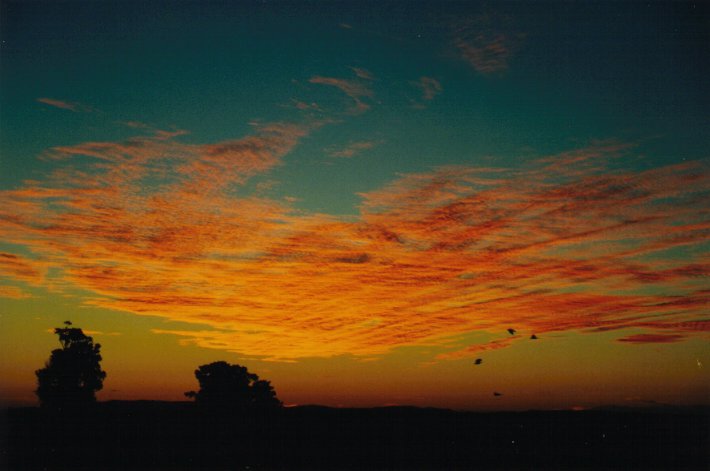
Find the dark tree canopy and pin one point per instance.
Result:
(73, 373)
(232, 386)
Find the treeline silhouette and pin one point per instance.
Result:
(73, 374)
(237, 422)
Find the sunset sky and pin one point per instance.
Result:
(357, 200)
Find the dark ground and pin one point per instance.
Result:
(158, 435)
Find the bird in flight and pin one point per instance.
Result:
(511, 331)
(496, 393)
(478, 361)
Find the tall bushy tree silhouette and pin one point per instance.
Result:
(73, 373)
(232, 386)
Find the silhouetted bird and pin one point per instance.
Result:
(478, 361)
(496, 393)
(533, 337)
(511, 331)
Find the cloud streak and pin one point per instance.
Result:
(65, 105)
(156, 226)
(652, 338)
(353, 149)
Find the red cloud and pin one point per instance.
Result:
(155, 228)
(652, 338)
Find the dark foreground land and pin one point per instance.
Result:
(155, 435)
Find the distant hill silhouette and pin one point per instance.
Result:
(182, 435)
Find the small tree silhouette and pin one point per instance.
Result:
(72, 375)
(232, 386)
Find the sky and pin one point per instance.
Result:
(357, 200)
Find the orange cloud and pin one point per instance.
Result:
(20, 268)
(155, 227)
(13, 292)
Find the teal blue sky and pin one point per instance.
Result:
(575, 72)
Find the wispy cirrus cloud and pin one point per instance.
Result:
(486, 41)
(357, 89)
(65, 105)
(155, 227)
(353, 149)
(362, 73)
(429, 88)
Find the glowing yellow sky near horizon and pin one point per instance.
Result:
(556, 371)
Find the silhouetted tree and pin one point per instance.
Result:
(232, 386)
(72, 375)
